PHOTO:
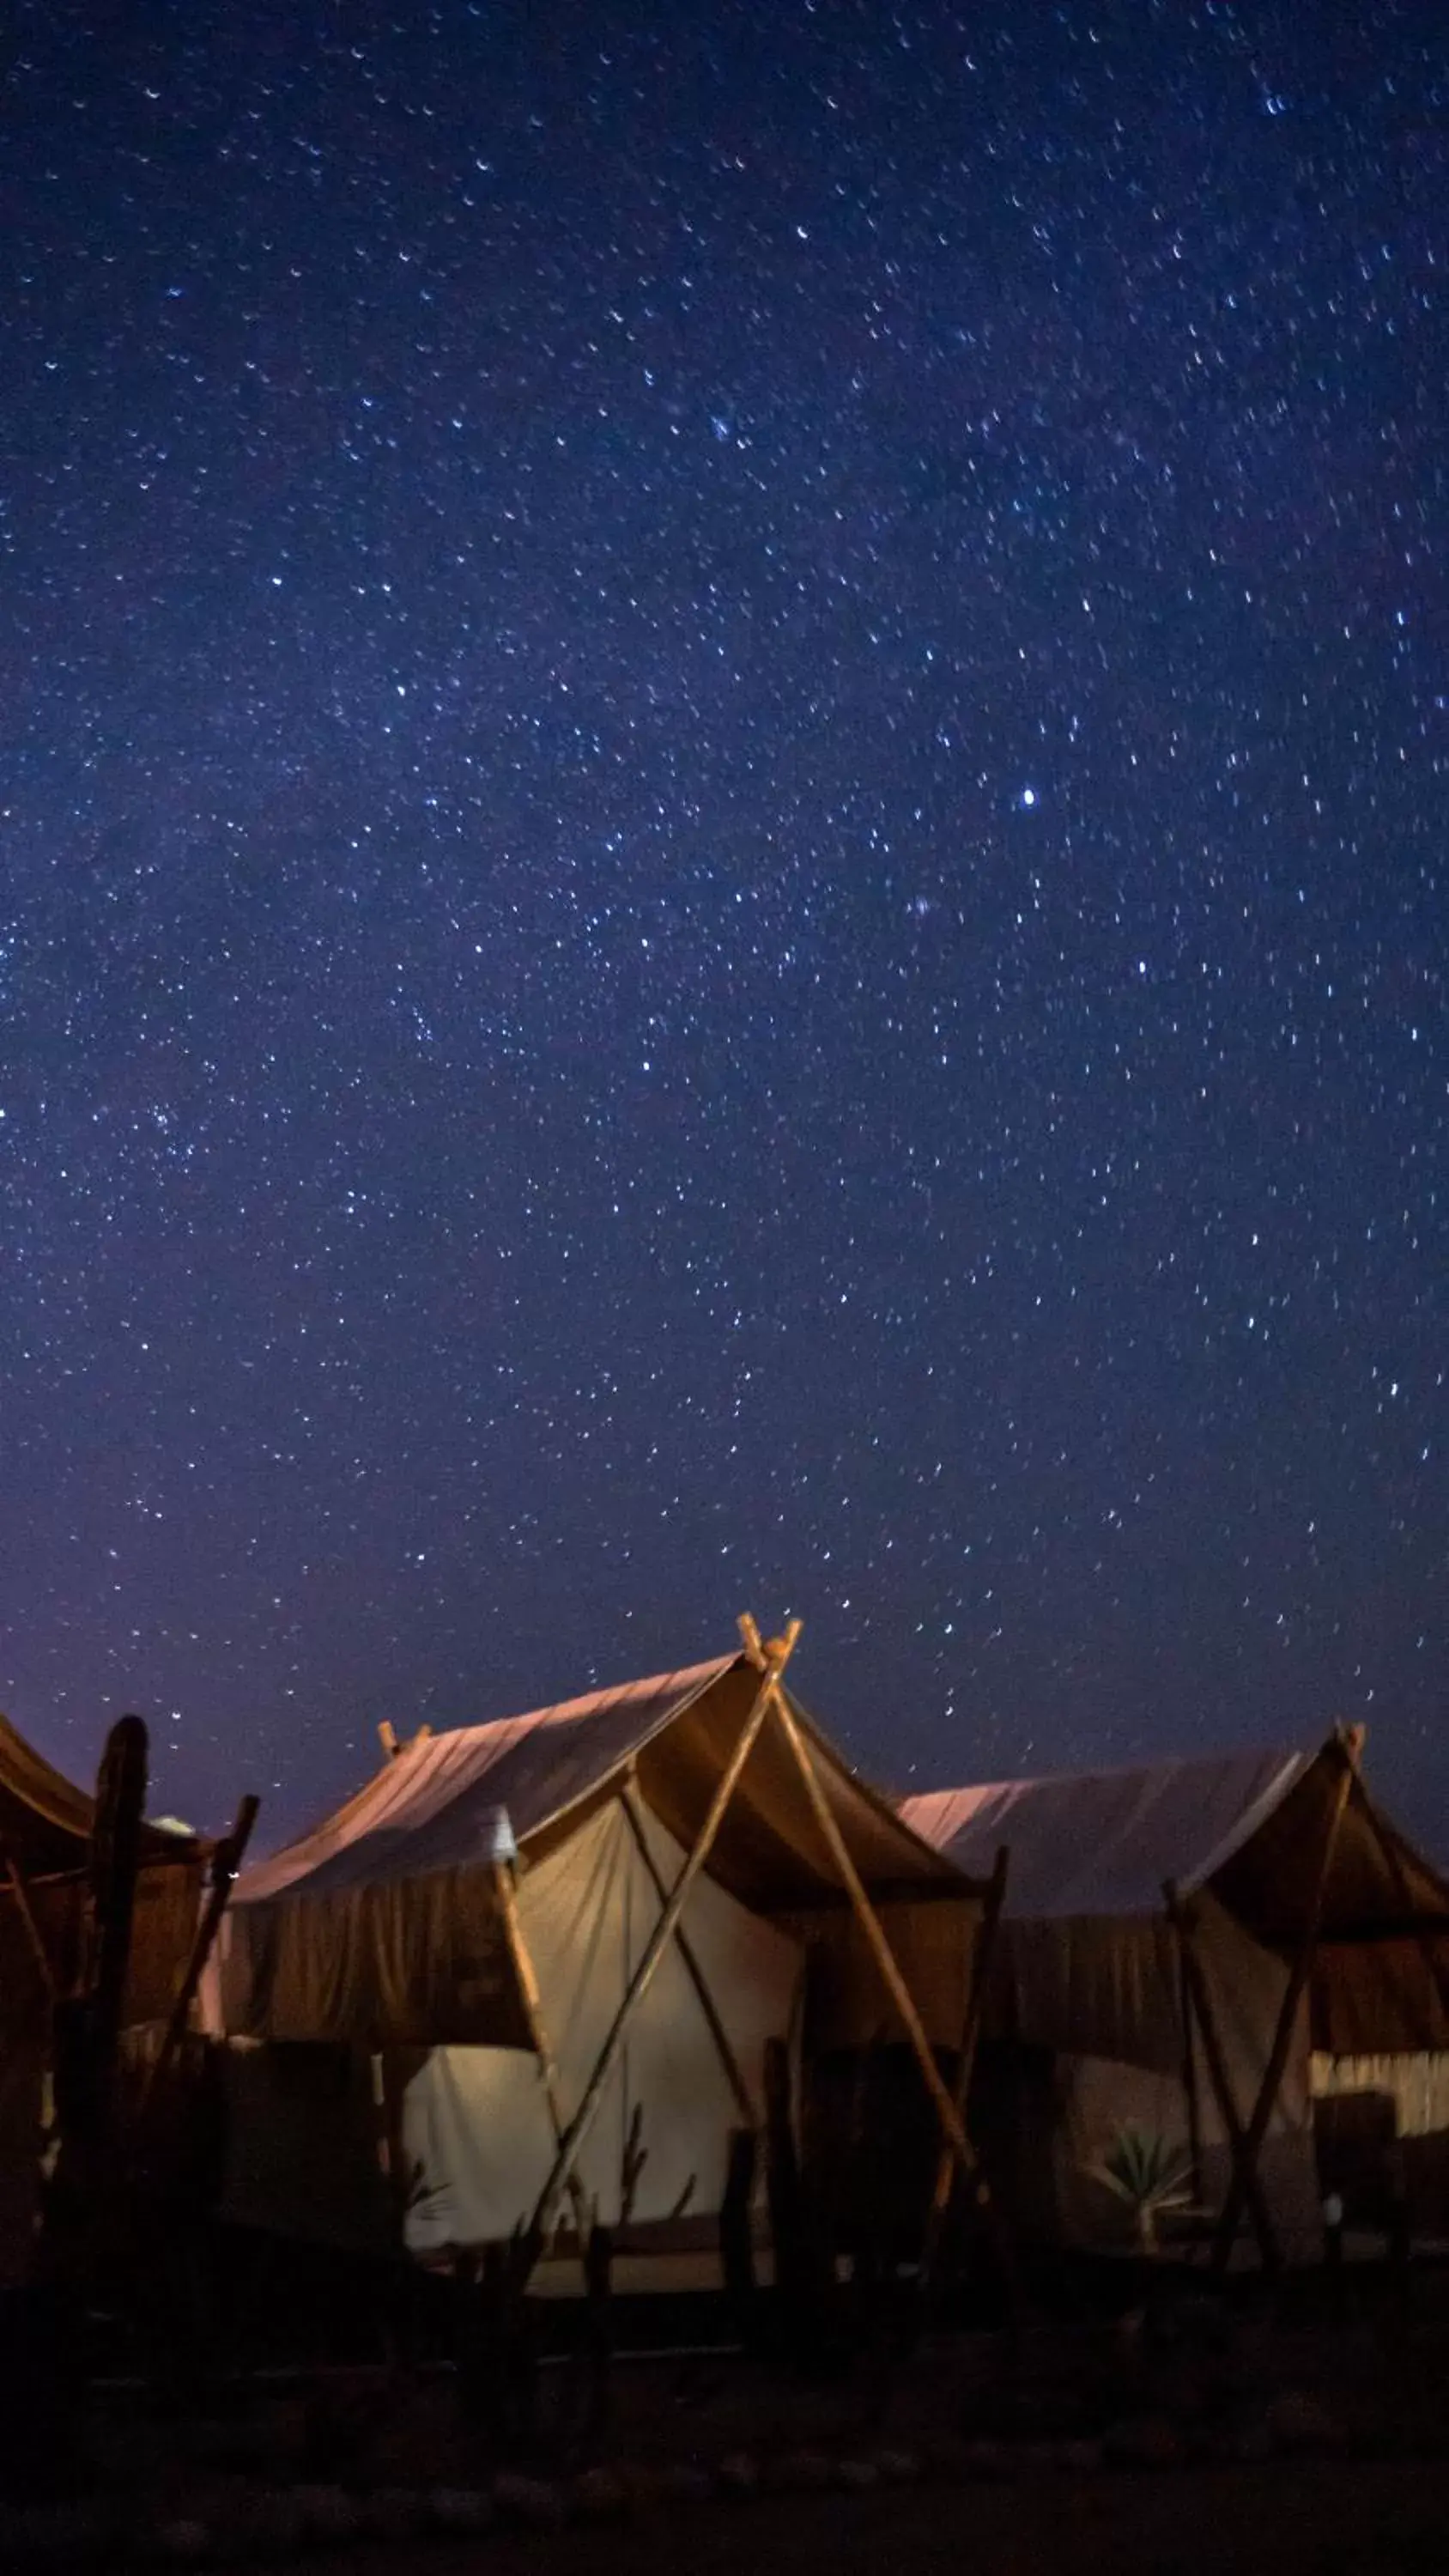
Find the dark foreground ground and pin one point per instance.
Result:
(1298, 2518)
(1208, 2437)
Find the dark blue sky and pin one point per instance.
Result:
(723, 874)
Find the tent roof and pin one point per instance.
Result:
(1252, 1823)
(45, 1819)
(1103, 1842)
(436, 1805)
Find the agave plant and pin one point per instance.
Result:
(1147, 2173)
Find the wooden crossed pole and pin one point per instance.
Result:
(1245, 2169)
(571, 2143)
(734, 2077)
(982, 1954)
(1246, 2155)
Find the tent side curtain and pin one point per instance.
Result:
(1111, 1987)
(410, 1962)
(168, 1899)
(1375, 1998)
(934, 1946)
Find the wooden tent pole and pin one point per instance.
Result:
(1351, 1738)
(690, 1957)
(776, 1657)
(953, 2128)
(994, 1900)
(1190, 2084)
(29, 1923)
(506, 1893)
(1298, 1977)
(1195, 1980)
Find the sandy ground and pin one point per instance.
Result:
(1294, 2518)
(1371, 2494)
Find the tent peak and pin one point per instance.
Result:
(774, 1653)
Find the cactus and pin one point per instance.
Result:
(1149, 2175)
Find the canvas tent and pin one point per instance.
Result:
(45, 1832)
(646, 1870)
(45, 1839)
(1303, 1925)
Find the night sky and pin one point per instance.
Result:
(723, 876)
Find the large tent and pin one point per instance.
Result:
(570, 1937)
(1181, 1943)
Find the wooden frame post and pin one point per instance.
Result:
(953, 2129)
(749, 2115)
(970, 2035)
(774, 1659)
(1298, 1976)
(1199, 1999)
(1190, 2085)
(29, 1922)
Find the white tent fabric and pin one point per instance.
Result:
(476, 2120)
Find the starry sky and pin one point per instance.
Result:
(723, 876)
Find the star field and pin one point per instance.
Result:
(722, 879)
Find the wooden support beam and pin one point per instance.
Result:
(1298, 1977)
(29, 1922)
(1201, 2003)
(1190, 2085)
(774, 1660)
(736, 2238)
(984, 1948)
(728, 2060)
(392, 1743)
(953, 2128)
